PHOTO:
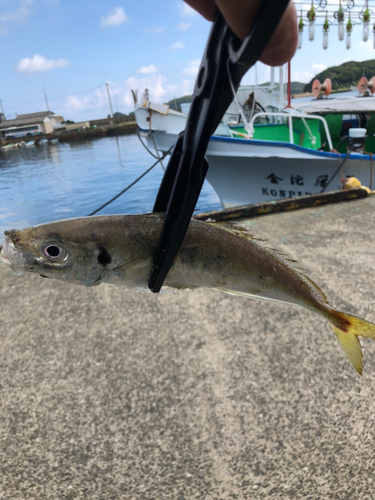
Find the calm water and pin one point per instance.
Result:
(52, 182)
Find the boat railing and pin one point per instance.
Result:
(289, 117)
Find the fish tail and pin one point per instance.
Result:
(347, 329)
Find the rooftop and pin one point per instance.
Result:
(39, 114)
(26, 119)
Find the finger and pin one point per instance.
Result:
(205, 7)
(241, 15)
(283, 43)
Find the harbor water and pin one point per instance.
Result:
(50, 182)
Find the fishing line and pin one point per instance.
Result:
(132, 184)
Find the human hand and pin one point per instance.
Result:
(240, 16)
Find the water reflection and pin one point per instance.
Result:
(54, 153)
(50, 182)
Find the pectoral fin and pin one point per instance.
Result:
(135, 268)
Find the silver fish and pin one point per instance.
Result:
(119, 249)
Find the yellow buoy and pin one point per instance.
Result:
(351, 183)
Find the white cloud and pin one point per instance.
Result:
(155, 83)
(40, 63)
(363, 50)
(183, 26)
(302, 76)
(74, 103)
(19, 15)
(159, 89)
(319, 67)
(94, 105)
(259, 73)
(95, 101)
(185, 87)
(115, 18)
(192, 68)
(184, 10)
(148, 70)
(155, 30)
(177, 46)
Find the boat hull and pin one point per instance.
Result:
(243, 172)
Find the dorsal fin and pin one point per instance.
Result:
(235, 228)
(242, 232)
(314, 286)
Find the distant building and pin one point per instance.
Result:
(76, 126)
(117, 118)
(44, 122)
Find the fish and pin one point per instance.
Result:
(119, 249)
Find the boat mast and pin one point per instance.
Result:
(45, 96)
(289, 105)
(281, 87)
(109, 98)
(2, 109)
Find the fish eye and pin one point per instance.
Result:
(54, 251)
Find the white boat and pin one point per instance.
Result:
(30, 143)
(289, 154)
(9, 146)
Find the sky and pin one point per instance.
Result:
(72, 48)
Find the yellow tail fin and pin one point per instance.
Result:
(347, 329)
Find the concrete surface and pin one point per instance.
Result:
(110, 394)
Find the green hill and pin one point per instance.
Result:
(345, 75)
(296, 87)
(177, 101)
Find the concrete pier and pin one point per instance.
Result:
(107, 393)
(80, 135)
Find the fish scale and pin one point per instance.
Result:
(119, 249)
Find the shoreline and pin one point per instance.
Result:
(76, 135)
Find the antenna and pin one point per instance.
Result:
(45, 95)
(2, 109)
(317, 87)
(109, 98)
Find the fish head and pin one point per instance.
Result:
(57, 250)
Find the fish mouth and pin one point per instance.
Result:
(10, 256)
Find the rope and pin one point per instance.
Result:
(239, 105)
(144, 145)
(149, 150)
(371, 172)
(132, 184)
(338, 168)
(157, 151)
(371, 155)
